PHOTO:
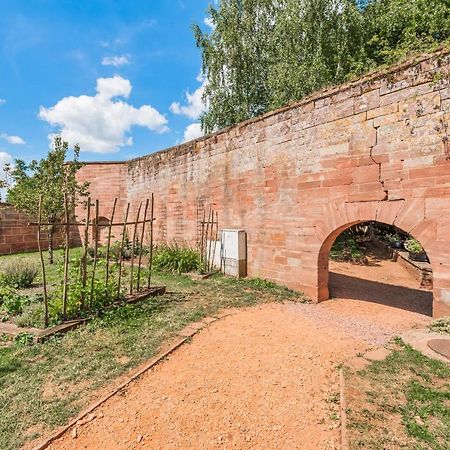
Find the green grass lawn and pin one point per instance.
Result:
(401, 402)
(43, 386)
(32, 313)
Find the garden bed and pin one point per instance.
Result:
(41, 334)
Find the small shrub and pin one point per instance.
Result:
(413, 246)
(346, 248)
(174, 259)
(32, 315)
(127, 250)
(441, 325)
(12, 303)
(24, 339)
(19, 272)
(114, 250)
(102, 296)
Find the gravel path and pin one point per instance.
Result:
(262, 378)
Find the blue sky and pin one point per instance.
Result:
(121, 77)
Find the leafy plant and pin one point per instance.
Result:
(174, 259)
(19, 272)
(24, 339)
(32, 315)
(392, 237)
(441, 325)
(346, 248)
(13, 304)
(413, 246)
(102, 295)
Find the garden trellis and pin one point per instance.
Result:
(209, 235)
(142, 224)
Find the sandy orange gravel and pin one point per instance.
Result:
(262, 378)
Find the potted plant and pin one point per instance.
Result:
(416, 251)
(395, 241)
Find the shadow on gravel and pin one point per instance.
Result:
(415, 300)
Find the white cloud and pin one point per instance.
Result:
(195, 105)
(2, 100)
(192, 131)
(15, 140)
(102, 123)
(115, 61)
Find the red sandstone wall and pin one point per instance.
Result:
(107, 182)
(376, 149)
(17, 236)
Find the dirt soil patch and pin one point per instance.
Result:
(265, 377)
(380, 281)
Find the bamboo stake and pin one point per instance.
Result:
(133, 247)
(215, 239)
(44, 280)
(206, 239)
(141, 243)
(124, 230)
(94, 266)
(203, 240)
(66, 258)
(85, 252)
(210, 241)
(208, 235)
(108, 245)
(150, 256)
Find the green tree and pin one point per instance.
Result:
(397, 28)
(263, 54)
(236, 60)
(51, 177)
(316, 43)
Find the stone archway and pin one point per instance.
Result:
(383, 281)
(99, 228)
(408, 216)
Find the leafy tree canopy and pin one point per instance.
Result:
(262, 54)
(51, 177)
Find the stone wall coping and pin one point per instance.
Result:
(181, 149)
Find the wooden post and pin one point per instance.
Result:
(108, 245)
(208, 236)
(203, 241)
(215, 239)
(66, 257)
(41, 255)
(94, 265)
(133, 248)
(150, 256)
(85, 254)
(141, 243)
(124, 230)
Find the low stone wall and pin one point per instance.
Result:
(16, 236)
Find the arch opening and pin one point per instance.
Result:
(100, 229)
(376, 262)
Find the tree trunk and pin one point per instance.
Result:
(50, 244)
